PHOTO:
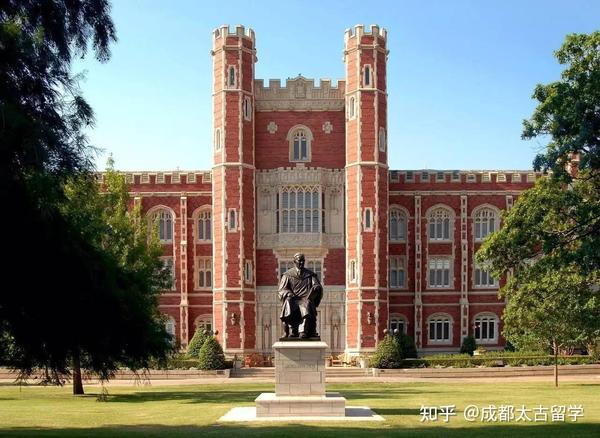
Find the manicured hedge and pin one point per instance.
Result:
(493, 359)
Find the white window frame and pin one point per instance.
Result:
(483, 273)
(368, 219)
(352, 272)
(247, 108)
(382, 139)
(248, 271)
(231, 228)
(398, 264)
(440, 320)
(438, 217)
(395, 320)
(287, 209)
(205, 322)
(204, 267)
(486, 317)
(218, 140)
(304, 132)
(228, 80)
(367, 77)
(351, 108)
(439, 265)
(485, 219)
(203, 220)
(399, 217)
(164, 230)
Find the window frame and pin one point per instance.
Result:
(234, 228)
(441, 226)
(203, 266)
(248, 271)
(368, 219)
(443, 260)
(294, 132)
(287, 209)
(400, 267)
(155, 220)
(398, 318)
(198, 217)
(488, 317)
(231, 82)
(247, 108)
(478, 221)
(382, 139)
(367, 76)
(401, 220)
(441, 319)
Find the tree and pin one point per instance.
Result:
(550, 239)
(387, 354)
(468, 346)
(196, 343)
(211, 356)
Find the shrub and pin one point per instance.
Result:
(196, 343)
(468, 346)
(211, 355)
(387, 354)
(406, 346)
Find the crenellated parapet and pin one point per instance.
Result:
(359, 30)
(299, 94)
(225, 31)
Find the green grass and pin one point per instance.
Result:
(193, 410)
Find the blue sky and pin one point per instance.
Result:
(460, 73)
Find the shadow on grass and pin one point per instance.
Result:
(295, 430)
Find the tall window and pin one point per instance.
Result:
(204, 271)
(398, 323)
(439, 224)
(170, 328)
(231, 77)
(315, 266)
(368, 220)
(217, 139)
(232, 220)
(367, 76)
(351, 107)
(486, 328)
(397, 272)
(169, 264)
(397, 225)
(247, 108)
(164, 220)
(439, 272)
(299, 210)
(204, 226)
(440, 328)
(485, 223)
(248, 271)
(300, 145)
(483, 278)
(352, 271)
(382, 139)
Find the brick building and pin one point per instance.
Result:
(301, 167)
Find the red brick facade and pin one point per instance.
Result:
(304, 168)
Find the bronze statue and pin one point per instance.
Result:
(300, 292)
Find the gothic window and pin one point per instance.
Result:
(204, 226)
(368, 219)
(300, 139)
(486, 328)
(367, 76)
(248, 271)
(247, 109)
(397, 225)
(352, 271)
(440, 328)
(486, 221)
(170, 328)
(204, 323)
(483, 278)
(397, 272)
(163, 219)
(398, 324)
(382, 140)
(217, 139)
(231, 77)
(232, 220)
(204, 272)
(439, 272)
(439, 224)
(299, 210)
(351, 107)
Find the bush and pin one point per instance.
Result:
(196, 343)
(211, 355)
(387, 354)
(468, 346)
(406, 346)
(492, 359)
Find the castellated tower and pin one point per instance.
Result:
(365, 57)
(234, 301)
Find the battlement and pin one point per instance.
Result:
(359, 30)
(299, 93)
(238, 31)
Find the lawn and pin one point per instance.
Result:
(193, 410)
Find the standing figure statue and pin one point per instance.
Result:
(300, 292)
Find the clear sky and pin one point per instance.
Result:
(460, 73)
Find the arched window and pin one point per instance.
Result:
(439, 224)
(382, 140)
(351, 108)
(163, 219)
(247, 108)
(299, 210)
(204, 226)
(368, 221)
(231, 77)
(300, 140)
(440, 328)
(232, 220)
(397, 225)
(485, 327)
(204, 323)
(170, 327)
(217, 139)
(367, 76)
(486, 222)
(398, 324)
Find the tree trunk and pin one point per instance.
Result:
(77, 382)
(555, 364)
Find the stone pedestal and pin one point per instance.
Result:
(300, 383)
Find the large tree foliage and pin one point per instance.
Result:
(79, 288)
(550, 240)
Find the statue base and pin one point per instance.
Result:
(300, 383)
